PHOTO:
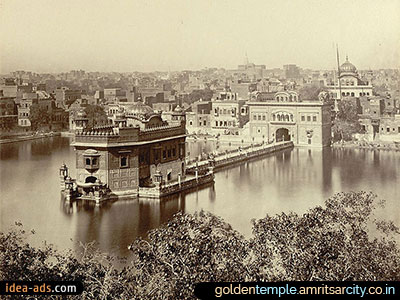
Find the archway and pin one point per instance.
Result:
(90, 179)
(282, 134)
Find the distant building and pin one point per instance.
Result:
(99, 95)
(24, 112)
(147, 92)
(380, 118)
(389, 128)
(114, 94)
(9, 88)
(287, 118)
(350, 83)
(26, 88)
(199, 119)
(65, 96)
(229, 113)
(243, 89)
(292, 72)
(249, 71)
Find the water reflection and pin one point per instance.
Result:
(292, 180)
(114, 225)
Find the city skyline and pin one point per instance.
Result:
(125, 36)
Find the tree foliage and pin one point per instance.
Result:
(39, 116)
(188, 249)
(96, 115)
(331, 243)
(195, 95)
(334, 242)
(346, 122)
(20, 261)
(310, 92)
(348, 111)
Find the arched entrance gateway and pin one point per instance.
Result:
(90, 179)
(282, 134)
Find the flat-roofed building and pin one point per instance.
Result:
(287, 118)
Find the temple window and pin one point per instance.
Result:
(123, 161)
(91, 159)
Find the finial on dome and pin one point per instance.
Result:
(347, 57)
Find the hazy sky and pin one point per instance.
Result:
(139, 35)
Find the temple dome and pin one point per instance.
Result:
(348, 67)
(81, 115)
(139, 108)
(178, 109)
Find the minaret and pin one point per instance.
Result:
(340, 85)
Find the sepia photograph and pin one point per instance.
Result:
(199, 149)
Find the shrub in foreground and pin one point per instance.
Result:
(330, 243)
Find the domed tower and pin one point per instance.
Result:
(139, 109)
(178, 114)
(347, 68)
(120, 119)
(81, 120)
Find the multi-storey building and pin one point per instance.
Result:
(349, 83)
(228, 113)
(292, 71)
(199, 119)
(24, 107)
(9, 87)
(287, 118)
(380, 118)
(114, 94)
(242, 89)
(65, 96)
(249, 71)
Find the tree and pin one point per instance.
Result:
(346, 122)
(21, 261)
(195, 95)
(310, 92)
(331, 243)
(188, 249)
(96, 115)
(39, 116)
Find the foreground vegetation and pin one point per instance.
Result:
(333, 242)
